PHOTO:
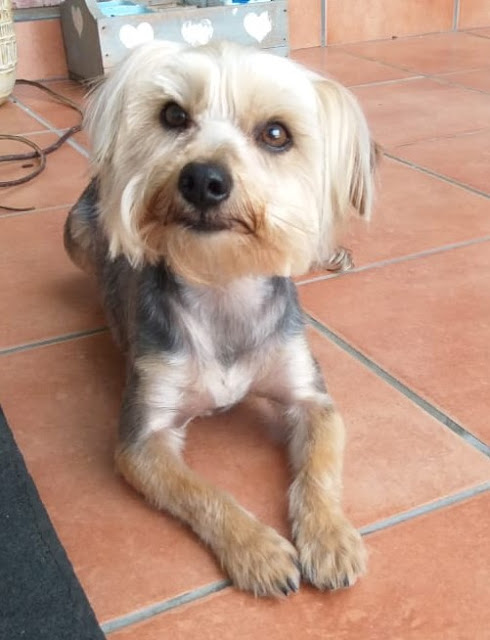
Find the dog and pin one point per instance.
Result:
(218, 173)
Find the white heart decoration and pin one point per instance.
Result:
(196, 33)
(258, 26)
(77, 17)
(133, 36)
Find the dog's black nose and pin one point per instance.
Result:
(204, 185)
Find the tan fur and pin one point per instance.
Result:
(331, 551)
(255, 556)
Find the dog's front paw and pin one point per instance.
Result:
(262, 561)
(332, 555)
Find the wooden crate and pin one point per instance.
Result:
(96, 36)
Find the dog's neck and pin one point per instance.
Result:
(230, 320)
(242, 297)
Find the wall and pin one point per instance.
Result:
(312, 23)
(357, 20)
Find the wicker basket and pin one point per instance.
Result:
(8, 50)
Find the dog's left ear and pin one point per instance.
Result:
(350, 155)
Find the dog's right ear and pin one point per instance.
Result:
(104, 118)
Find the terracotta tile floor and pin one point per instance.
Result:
(403, 339)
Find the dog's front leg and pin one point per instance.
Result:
(331, 551)
(255, 557)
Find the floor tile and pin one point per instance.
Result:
(43, 293)
(479, 79)
(346, 68)
(380, 19)
(402, 112)
(58, 115)
(393, 448)
(428, 578)
(426, 321)
(473, 13)
(126, 555)
(415, 212)
(15, 121)
(439, 53)
(64, 178)
(464, 158)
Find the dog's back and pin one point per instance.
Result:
(80, 229)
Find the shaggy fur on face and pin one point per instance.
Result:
(284, 205)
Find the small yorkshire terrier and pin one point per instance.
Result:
(218, 173)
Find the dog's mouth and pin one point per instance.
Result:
(203, 223)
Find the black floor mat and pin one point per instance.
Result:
(40, 596)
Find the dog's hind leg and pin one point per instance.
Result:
(80, 229)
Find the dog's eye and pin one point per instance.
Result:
(275, 136)
(173, 116)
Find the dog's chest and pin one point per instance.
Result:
(226, 343)
(222, 387)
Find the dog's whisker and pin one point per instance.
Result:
(285, 221)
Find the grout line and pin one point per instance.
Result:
(16, 102)
(78, 147)
(398, 67)
(51, 127)
(50, 341)
(442, 79)
(164, 606)
(436, 505)
(197, 594)
(454, 83)
(36, 13)
(444, 136)
(381, 83)
(434, 77)
(413, 36)
(453, 73)
(429, 408)
(324, 25)
(455, 15)
(434, 174)
(14, 214)
(389, 261)
(35, 115)
(477, 35)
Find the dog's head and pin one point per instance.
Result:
(226, 161)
